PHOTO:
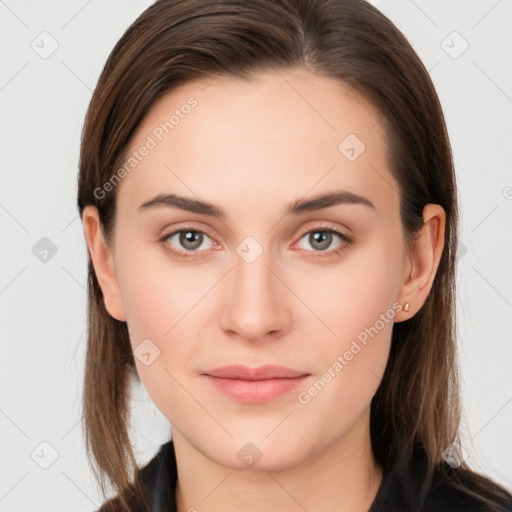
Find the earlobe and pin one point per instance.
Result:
(423, 260)
(103, 262)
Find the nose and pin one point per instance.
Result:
(255, 305)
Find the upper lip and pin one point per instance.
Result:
(238, 371)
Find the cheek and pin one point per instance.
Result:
(157, 294)
(154, 309)
(162, 303)
(351, 296)
(354, 306)
(168, 304)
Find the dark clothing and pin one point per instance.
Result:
(398, 492)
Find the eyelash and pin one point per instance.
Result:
(347, 241)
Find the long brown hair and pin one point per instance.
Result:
(416, 407)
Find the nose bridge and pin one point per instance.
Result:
(255, 304)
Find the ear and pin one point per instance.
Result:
(103, 262)
(422, 261)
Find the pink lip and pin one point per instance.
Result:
(255, 384)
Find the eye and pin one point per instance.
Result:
(320, 239)
(188, 242)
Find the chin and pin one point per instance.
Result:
(257, 453)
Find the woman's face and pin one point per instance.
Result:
(268, 282)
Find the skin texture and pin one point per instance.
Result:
(251, 148)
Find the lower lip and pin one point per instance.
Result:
(256, 390)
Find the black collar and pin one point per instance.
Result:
(402, 489)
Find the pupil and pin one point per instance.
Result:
(191, 239)
(323, 238)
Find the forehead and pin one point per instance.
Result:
(273, 137)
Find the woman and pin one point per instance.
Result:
(269, 203)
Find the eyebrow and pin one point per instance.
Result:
(297, 207)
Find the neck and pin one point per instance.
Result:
(344, 477)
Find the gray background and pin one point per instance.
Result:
(43, 99)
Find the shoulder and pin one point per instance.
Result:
(444, 495)
(158, 478)
(406, 487)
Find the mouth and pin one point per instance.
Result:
(255, 385)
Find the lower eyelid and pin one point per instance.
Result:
(166, 238)
(345, 240)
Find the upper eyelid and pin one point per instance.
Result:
(191, 227)
(346, 239)
(322, 226)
